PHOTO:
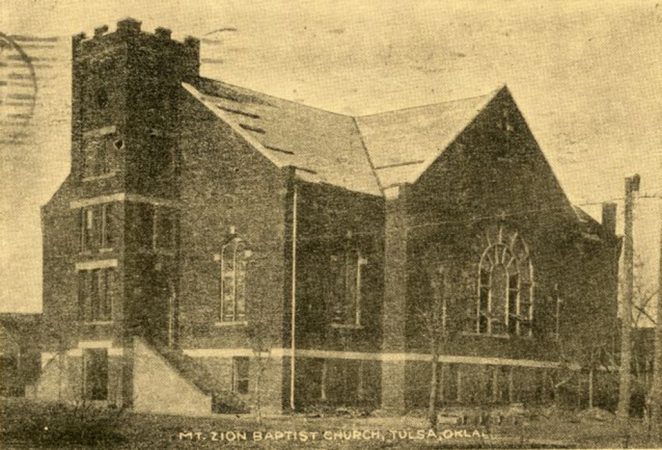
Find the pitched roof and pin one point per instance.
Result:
(365, 154)
(404, 143)
(325, 146)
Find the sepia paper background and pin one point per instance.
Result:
(586, 75)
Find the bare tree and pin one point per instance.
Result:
(437, 330)
(590, 349)
(261, 341)
(656, 388)
(262, 359)
(644, 296)
(433, 319)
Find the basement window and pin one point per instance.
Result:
(95, 374)
(240, 374)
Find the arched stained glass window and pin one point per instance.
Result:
(505, 286)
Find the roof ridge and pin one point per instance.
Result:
(255, 92)
(490, 94)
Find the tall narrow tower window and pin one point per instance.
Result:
(107, 226)
(86, 226)
(100, 155)
(95, 295)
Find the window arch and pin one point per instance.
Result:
(234, 263)
(505, 286)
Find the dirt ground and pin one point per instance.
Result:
(31, 424)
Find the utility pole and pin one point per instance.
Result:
(656, 388)
(631, 186)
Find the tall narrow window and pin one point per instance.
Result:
(86, 224)
(90, 157)
(103, 158)
(95, 294)
(106, 283)
(347, 269)
(234, 263)
(439, 298)
(96, 287)
(84, 313)
(106, 237)
(484, 300)
(99, 156)
(513, 306)
(505, 302)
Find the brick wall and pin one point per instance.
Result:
(227, 184)
(489, 178)
(124, 102)
(331, 220)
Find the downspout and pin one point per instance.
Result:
(293, 296)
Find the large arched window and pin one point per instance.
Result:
(234, 262)
(505, 286)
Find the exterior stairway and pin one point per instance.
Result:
(186, 386)
(189, 368)
(160, 386)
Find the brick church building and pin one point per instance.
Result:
(212, 242)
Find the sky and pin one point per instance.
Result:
(587, 76)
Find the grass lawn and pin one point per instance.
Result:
(31, 424)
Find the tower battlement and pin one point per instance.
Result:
(132, 27)
(129, 29)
